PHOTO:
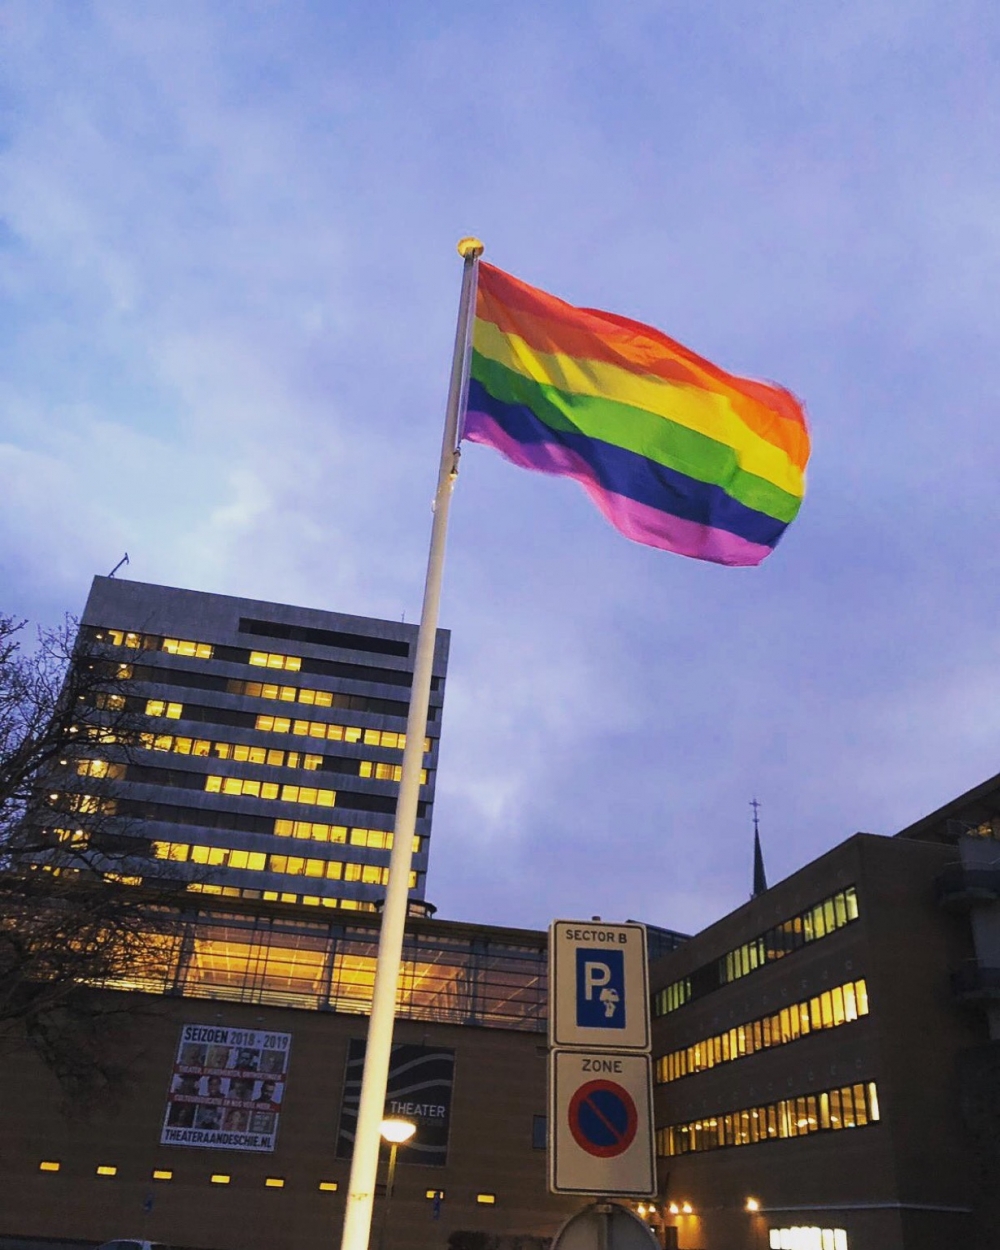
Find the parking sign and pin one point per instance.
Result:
(598, 991)
(600, 988)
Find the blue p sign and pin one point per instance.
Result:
(600, 988)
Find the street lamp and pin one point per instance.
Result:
(397, 1133)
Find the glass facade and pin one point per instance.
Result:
(449, 975)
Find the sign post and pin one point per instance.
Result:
(600, 1127)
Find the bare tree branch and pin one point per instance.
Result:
(72, 913)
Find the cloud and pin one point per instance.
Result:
(229, 294)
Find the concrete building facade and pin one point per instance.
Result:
(811, 1086)
(263, 1160)
(270, 741)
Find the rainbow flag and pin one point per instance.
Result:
(674, 451)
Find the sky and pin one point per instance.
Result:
(228, 288)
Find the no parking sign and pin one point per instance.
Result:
(601, 1134)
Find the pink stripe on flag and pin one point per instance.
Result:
(637, 521)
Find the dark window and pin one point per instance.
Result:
(324, 637)
(539, 1132)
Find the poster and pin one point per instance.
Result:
(420, 1084)
(226, 1089)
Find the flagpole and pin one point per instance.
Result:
(364, 1164)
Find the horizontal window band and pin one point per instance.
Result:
(202, 818)
(814, 923)
(242, 655)
(324, 637)
(829, 1009)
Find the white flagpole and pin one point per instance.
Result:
(364, 1164)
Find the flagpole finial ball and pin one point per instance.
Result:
(470, 246)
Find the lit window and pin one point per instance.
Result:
(807, 1237)
(107, 1169)
(178, 646)
(274, 1182)
(486, 1200)
(162, 1174)
(271, 659)
(830, 1110)
(49, 1165)
(434, 1193)
(328, 1187)
(220, 1178)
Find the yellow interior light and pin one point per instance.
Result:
(49, 1165)
(328, 1187)
(106, 1169)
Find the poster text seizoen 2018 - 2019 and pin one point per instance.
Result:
(226, 1089)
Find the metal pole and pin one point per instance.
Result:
(364, 1164)
(389, 1183)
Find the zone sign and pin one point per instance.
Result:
(601, 1124)
(598, 985)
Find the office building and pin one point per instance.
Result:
(827, 1074)
(269, 742)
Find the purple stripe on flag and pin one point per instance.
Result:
(638, 521)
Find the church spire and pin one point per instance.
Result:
(759, 876)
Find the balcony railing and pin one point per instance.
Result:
(974, 982)
(962, 886)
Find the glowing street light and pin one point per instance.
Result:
(398, 1131)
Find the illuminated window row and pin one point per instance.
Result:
(377, 839)
(99, 768)
(204, 748)
(852, 1106)
(259, 861)
(828, 1010)
(75, 837)
(152, 642)
(817, 922)
(380, 771)
(167, 1174)
(301, 728)
(807, 1237)
(253, 788)
(259, 659)
(159, 707)
(811, 925)
(87, 803)
(271, 659)
(274, 757)
(281, 896)
(335, 733)
(314, 698)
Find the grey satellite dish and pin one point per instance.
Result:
(605, 1226)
